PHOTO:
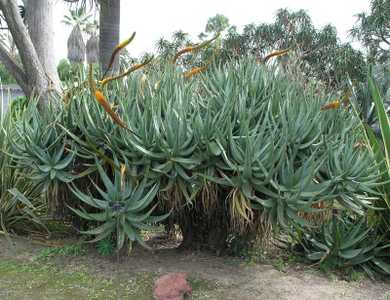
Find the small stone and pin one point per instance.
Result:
(171, 286)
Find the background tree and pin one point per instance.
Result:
(109, 31)
(318, 52)
(373, 30)
(40, 24)
(34, 73)
(218, 23)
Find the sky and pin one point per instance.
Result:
(152, 19)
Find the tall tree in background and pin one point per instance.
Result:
(35, 73)
(373, 30)
(109, 30)
(319, 51)
(40, 24)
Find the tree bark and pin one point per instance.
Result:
(40, 21)
(109, 31)
(31, 75)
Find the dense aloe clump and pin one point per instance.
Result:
(220, 152)
(21, 204)
(238, 141)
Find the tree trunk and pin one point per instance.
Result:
(40, 23)
(109, 31)
(30, 75)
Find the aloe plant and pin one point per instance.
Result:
(258, 140)
(124, 208)
(21, 204)
(381, 148)
(344, 242)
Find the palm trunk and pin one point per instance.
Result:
(109, 31)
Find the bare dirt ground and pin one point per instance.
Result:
(91, 276)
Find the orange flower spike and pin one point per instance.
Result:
(194, 48)
(117, 49)
(276, 54)
(194, 71)
(106, 106)
(331, 105)
(183, 51)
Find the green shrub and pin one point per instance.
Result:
(219, 152)
(344, 243)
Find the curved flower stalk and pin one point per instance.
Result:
(194, 48)
(194, 71)
(126, 73)
(116, 51)
(98, 94)
(276, 54)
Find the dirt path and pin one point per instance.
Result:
(94, 277)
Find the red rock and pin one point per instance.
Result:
(171, 286)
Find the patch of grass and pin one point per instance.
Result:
(202, 289)
(45, 281)
(67, 250)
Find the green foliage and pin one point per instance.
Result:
(381, 150)
(68, 250)
(17, 107)
(40, 148)
(123, 210)
(5, 76)
(20, 199)
(217, 24)
(373, 31)
(259, 139)
(344, 243)
(105, 246)
(315, 53)
(363, 99)
(67, 72)
(241, 139)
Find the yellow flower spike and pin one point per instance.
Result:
(276, 54)
(130, 70)
(194, 71)
(117, 49)
(194, 48)
(107, 107)
(331, 105)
